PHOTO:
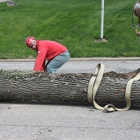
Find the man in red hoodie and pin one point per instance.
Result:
(54, 52)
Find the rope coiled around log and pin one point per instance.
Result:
(94, 84)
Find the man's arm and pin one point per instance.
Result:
(40, 60)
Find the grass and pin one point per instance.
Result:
(74, 23)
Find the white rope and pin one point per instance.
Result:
(94, 84)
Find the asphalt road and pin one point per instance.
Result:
(68, 122)
(78, 65)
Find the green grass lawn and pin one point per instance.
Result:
(74, 23)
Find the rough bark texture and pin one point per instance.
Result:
(60, 88)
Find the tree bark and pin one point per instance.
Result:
(65, 88)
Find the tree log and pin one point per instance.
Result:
(16, 86)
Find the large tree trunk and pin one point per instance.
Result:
(65, 88)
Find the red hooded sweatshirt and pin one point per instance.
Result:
(47, 50)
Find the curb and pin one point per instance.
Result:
(4, 0)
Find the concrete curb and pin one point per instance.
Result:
(4, 0)
(80, 59)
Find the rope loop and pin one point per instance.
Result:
(94, 84)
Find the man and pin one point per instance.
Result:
(54, 52)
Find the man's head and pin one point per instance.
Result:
(31, 42)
